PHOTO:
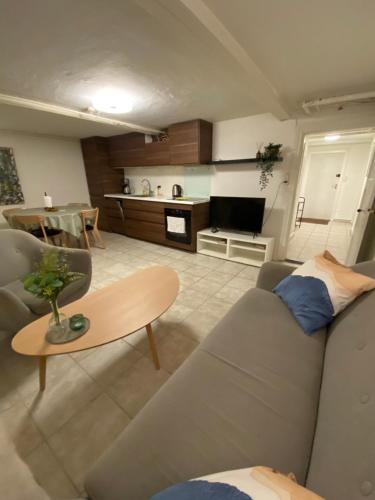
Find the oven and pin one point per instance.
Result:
(178, 225)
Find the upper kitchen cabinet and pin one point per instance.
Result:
(157, 153)
(190, 142)
(127, 150)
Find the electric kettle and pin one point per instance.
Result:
(176, 191)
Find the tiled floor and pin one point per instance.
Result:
(91, 396)
(312, 239)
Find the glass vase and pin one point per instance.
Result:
(58, 324)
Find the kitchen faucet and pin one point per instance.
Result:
(146, 189)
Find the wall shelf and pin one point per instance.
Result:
(236, 246)
(239, 161)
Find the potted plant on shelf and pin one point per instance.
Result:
(266, 161)
(50, 277)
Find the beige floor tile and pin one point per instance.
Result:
(219, 277)
(139, 340)
(207, 287)
(249, 273)
(105, 363)
(241, 284)
(232, 267)
(199, 271)
(49, 474)
(191, 298)
(198, 325)
(8, 392)
(136, 386)
(68, 389)
(215, 307)
(229, 294)
(176, 313)
(20, 429)
(80, 442)
(174, 349)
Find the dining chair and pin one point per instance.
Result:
(8, 212)
(38, 227)
(90, 227)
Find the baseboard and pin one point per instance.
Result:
(315, 221)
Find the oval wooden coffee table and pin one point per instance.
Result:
(115, 311)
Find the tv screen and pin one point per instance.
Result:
(241, 214)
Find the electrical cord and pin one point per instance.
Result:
(273, 204)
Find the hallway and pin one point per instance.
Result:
(312, 239)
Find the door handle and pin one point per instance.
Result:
(368, 210)
(119, 205)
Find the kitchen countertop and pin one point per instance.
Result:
(160, 199)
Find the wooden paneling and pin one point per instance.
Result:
(101, 179)
(146, 220)
(157, 153)
(190, 142)
(127, 150)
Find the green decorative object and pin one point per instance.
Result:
(10, 187)
(50, 277)
(266, 161)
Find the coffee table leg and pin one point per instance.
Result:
(42, 372)
(151, 342)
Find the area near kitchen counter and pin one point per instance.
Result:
(190, 200)
(149, 218)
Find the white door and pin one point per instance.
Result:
(364, 210)
(322, 181)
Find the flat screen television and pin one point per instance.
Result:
(241, 214)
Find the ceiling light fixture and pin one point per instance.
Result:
(332, 137)
(112, 101)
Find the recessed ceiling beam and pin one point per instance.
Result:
(73, 113)
(260, 88)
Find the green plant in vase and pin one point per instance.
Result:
(50, 276)
(266, 161)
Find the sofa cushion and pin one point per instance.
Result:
(342, 464)
(321, 288)
(247, 396)
(254, 483)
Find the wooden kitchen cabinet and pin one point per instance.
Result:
(157, 153)
(127, 150)
(190, 142)
(146, 220)
(101, 179)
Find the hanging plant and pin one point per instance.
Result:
(266, 161)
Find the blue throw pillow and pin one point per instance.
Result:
(308, 299)
(319, 289)
(201, 490)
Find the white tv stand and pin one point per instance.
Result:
(236, 246)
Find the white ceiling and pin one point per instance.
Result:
(180, 59)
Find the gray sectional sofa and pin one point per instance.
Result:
(258, 391)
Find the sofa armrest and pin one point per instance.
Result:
(271, 273)
(14, 314)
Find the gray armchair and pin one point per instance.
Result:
(18, 251)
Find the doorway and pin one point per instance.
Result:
(333, 180)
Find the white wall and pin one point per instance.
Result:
(238, 138)
(50, 164)
(241, 138)
(355, 158)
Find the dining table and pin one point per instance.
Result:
(65, 217)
